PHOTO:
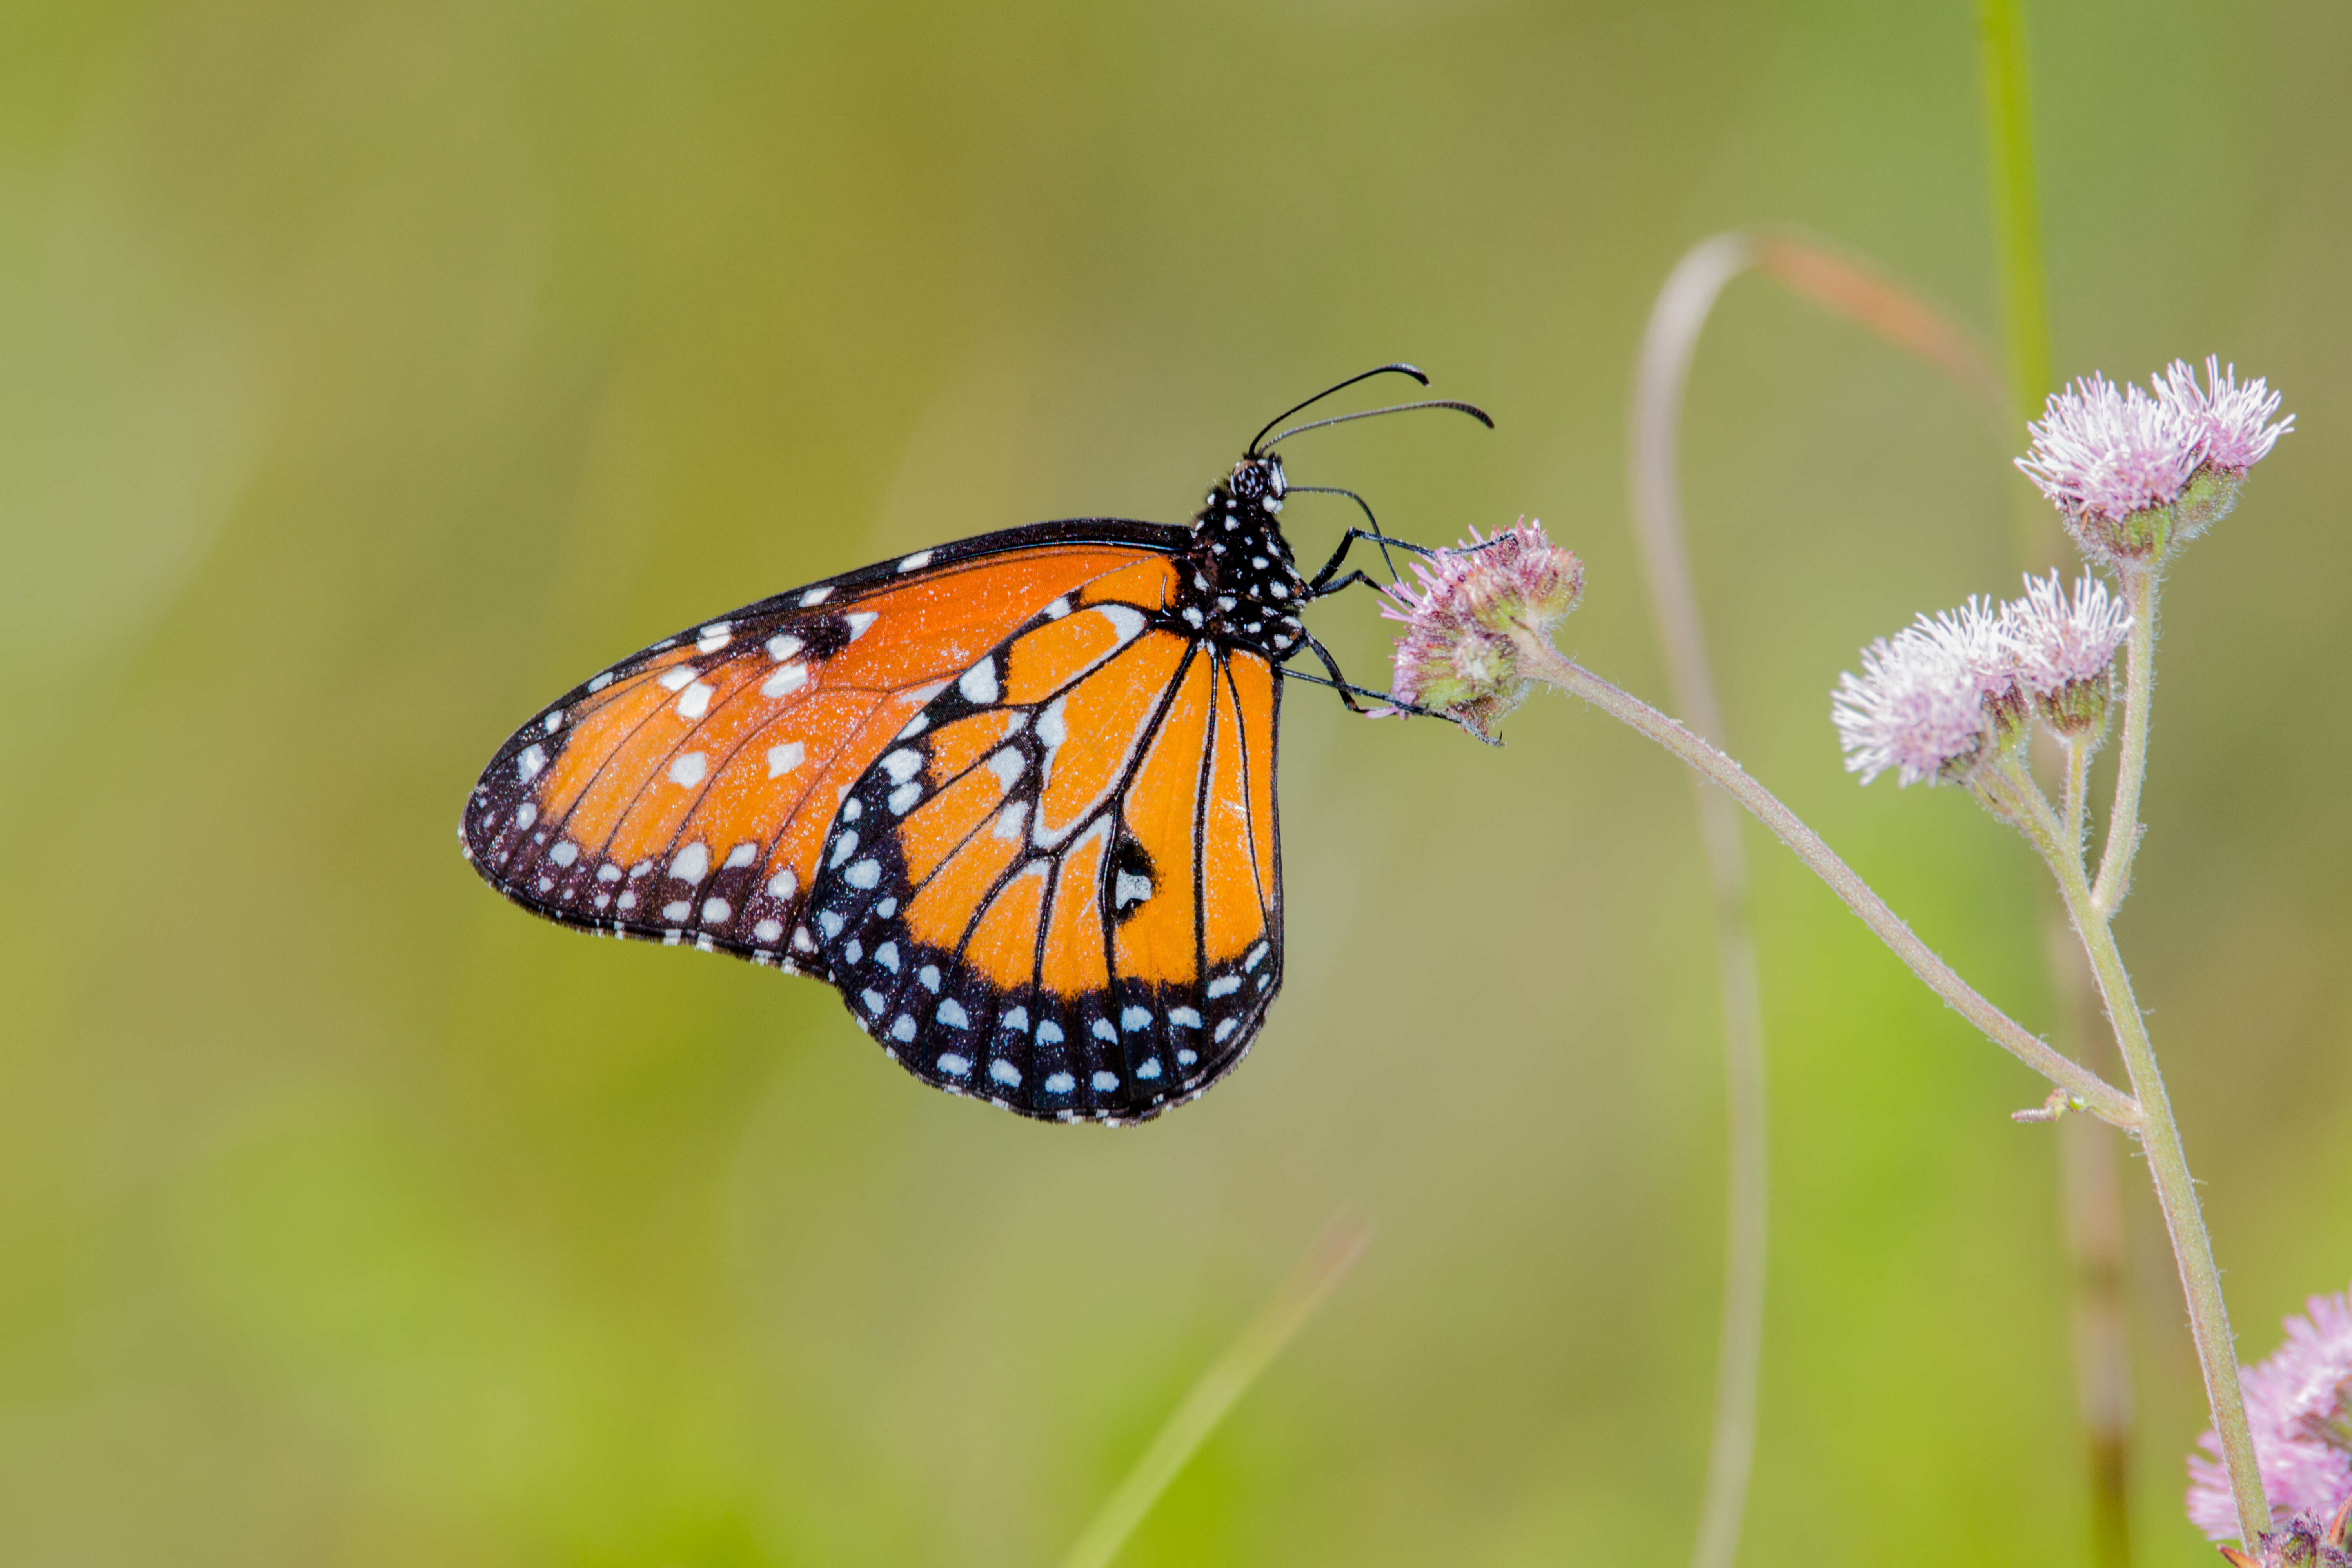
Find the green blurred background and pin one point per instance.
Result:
(370, 373)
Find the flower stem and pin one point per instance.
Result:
(2015, 793)
(2131, 761)
(1540, 660)
(1219, 1387)
(2078, 787)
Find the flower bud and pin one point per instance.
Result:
(1458, 655)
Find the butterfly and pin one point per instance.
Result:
(1013, 796)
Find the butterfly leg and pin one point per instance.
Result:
(1348, 691)
(1321, 584)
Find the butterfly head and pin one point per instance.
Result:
(1256, 478)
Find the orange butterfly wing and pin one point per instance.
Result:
(1059, 889)
(683, 795)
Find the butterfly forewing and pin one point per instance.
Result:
(1058, 888)
(683, 795)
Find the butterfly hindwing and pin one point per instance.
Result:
(683, 795)
(1058, 888)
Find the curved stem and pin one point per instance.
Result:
(2131, 761)
(1667, 348)
(2014, 794)
(1539, 660)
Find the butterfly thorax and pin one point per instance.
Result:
(1244, 588)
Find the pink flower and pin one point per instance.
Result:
(2106, 457)
(1457, 655)
(1917, 709)
(2299, 1403)
(2064, 647)
(2232, 419)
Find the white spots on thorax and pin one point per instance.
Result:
(716, 910)
(1060, 1083)
(742, 854)
(1224, 985)
(916, 562)
(1005, 1073)
(979, 683)
(783, 885)
(1259, 562)
(1105, 1081)
(1129, 888)
(1049, 1033)
(564, 853)
(768, 931)
(864, 875)
(1193, 619)
(692, 863)
(783, 759)
(858, 621)
(676, 911)
(782, 646)
(531, 763)
(816, 596)
(715, 636)
(787, 679)
(695, 700)
(608, 872)
(1105, 1030)
(953, 1065)
(1279, 589)
(953, 1014)
(687, 771)
(526, 814)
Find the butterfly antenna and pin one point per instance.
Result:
(1472, 409)
(1400, 368)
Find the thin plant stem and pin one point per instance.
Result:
(2016, 200)
(1675, 322)
(2011, 791)
(2084, 1089)
(1227, 1378)
(1850, 287)
(2124, 830)
(2077, 749)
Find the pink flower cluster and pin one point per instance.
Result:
(2114, 461)
(1940, 696)
(1457, 656)
(2299, 1403)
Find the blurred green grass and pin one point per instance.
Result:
(368, 372)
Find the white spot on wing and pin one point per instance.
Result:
(743, 854)
(677, 679)
(687, 772)
(859, 620)
(1105, 1082)
(564, 853)
(902, 764)
(693, 863)
(1005, 1073)
(783, 884)
(863, 875)
(716, 910)
(1007, 765)
(953, 1014)
(916, 562)
(695, 700)
(783, 759)
(787, 679)
(532, 762)
(979, 682)
(816, 596)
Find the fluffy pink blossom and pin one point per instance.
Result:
(2059, 642)
(1916, 708)
(2103, 453)
(2234, 420)
(1457, 655)
(2299, 1403)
